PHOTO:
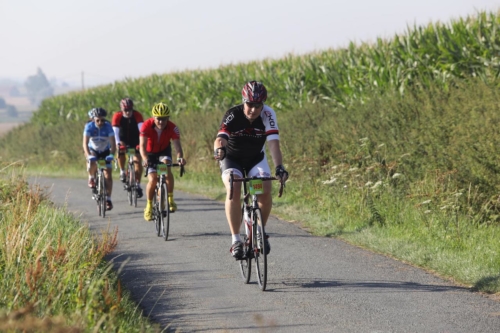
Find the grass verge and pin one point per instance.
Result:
(54, 277)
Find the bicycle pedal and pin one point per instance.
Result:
(164, 213)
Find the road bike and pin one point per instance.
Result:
(161, 209)
(254, 240)
(130, 182)
(99, 191)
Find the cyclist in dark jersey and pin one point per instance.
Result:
(240, 145)
(126, 125)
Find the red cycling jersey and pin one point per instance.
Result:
(157, 142)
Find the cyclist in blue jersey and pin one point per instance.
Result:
(99, 142)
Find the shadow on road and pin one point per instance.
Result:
(372, 286)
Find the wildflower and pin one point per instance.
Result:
(396, 175)
(426, 202)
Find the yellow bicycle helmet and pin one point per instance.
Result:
(160, 110)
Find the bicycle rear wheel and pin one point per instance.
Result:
(102, 196)
(259, 248)
(246, 264)
(165, 211)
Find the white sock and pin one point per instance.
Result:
(122, 172)
(108, 198)
(236, 238)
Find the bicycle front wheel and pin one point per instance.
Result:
(102, 186)
(246, 263)
(165, 212)
(132, 200)
(128, 185)
(156, 212)
(98, 194)
(259, 248)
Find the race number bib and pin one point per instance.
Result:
(256, 187)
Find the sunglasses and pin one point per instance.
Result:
(254, 105)
(130, 110)
(100, 120)
(161, 118)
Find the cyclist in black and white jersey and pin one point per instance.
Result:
(240, 145)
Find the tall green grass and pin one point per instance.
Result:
(54, 278)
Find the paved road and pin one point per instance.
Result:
(191, 284)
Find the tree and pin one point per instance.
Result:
(12, 111)
(38, 87)
(3, 105)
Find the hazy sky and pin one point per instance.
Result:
(109, 40)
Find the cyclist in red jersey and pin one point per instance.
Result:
(126, 124)
(155, 136)
(240, 146)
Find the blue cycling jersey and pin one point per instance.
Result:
(99, 137)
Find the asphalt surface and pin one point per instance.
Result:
(192, 284)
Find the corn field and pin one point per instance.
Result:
(433, 54)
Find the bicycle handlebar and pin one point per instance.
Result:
(246, 179)
(182, 171)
